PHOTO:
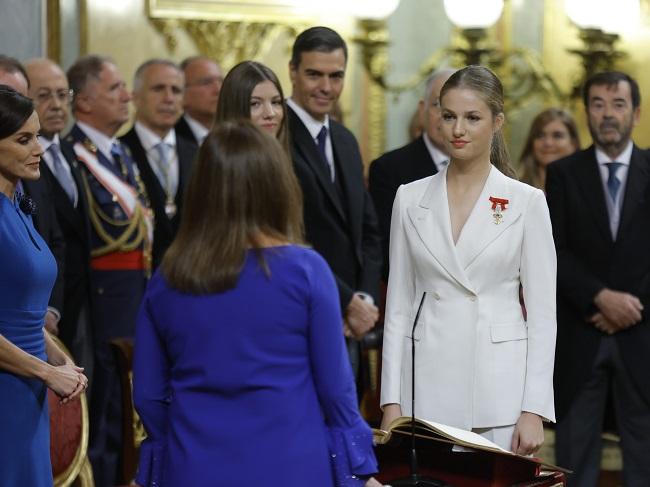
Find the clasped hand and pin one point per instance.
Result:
(618, 311)
(360, 317)
(67, 381)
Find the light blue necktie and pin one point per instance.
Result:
(613, 184)
(164, 149)
(63, 177)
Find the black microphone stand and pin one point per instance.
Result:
(414, 479)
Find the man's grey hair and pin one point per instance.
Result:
(139, 73)
(428, 84)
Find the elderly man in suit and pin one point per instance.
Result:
(164, 158)
(203, 80)
(120, 239)
(600, 209)
(52, 96)
(14, 75)
(340, 220)
(423, 157)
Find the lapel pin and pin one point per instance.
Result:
(499, 205)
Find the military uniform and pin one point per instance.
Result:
(120, 250)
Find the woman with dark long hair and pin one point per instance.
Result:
(240, 369)
(462, 242)
(30, 361)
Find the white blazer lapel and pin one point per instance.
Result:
(432, 223)
(481, 229)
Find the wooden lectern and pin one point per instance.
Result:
(476, 465)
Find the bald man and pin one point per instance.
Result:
(203, 80)
(52, 96)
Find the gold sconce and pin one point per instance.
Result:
(521, 69)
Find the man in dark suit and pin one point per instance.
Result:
(340, 220)
(164, 158)
(120, 249)
(14, 75)
(52, 96)
(423, 157)
(203, 80)
(599, 201)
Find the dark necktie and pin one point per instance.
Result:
(613, 184)
(63, 177)
(116, 153)
(321, 140)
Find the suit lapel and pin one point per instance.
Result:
(638, 177)
(306, 149)
(591, 185)
(433, 225)
(480, 229)
(423, 165)
(186, 151)
(351, 186)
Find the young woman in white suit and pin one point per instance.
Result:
(469, 237)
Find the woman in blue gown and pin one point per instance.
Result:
(241, 376)
(29, 360)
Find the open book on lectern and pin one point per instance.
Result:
(448, 434)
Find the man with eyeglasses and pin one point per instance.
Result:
(203, 80)
(52, 96)
(13, 74)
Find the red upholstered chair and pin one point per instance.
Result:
(69, 439)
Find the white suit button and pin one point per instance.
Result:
(472, 298)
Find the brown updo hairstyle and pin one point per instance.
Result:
(486, 84)
(529, 166)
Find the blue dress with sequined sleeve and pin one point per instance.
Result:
(252, 386)
(27, 274)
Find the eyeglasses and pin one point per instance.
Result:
(64, 96)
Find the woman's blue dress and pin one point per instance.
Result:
(27, 274)
(252, 386)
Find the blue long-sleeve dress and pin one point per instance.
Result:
(251, 386)
(27, 274)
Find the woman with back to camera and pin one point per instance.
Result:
(241, 375)
(30, 361)
(552, 136)
(468, 237)
(253, 92)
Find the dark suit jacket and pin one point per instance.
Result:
(589, 260)
(164, 228)
(47, 226)
(183, 129)
(75, 228)
(341, 227)
(387, 173)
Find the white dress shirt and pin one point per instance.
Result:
(149, 140)
(101, 140)
(440, 159)
(314, 127)
(614, 207)
(47, 157)
(197, 128)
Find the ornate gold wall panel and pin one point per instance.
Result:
(560, 34)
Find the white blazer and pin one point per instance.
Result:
(478, 363)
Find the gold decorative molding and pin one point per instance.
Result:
(53, 15)
(268, 11)
(228, 41)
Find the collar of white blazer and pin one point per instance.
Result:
(433, 224)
